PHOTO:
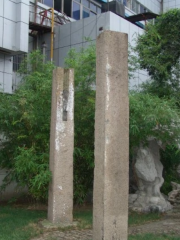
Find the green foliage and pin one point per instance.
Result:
(25, 123)
(84, 64)
(159, 51)
(151, 116)
(136, 218)
(25, 127)
(19, 224)
(149, 236)
(170, 158)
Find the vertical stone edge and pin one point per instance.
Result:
(110, 57)
(60, 201)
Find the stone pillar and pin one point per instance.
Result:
(111, 174)
(60, 202)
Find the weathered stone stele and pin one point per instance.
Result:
(110, 197)
(60, 201)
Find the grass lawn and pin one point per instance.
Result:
(20, 224)
(139, 218)
(84, 217)
(152, 237)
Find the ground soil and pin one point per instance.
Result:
(169, 224)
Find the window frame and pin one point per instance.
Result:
(80, 2)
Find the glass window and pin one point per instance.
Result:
(76, 11)
(85, 3)
(129, 4)
(93, 7)
(86, 12)
(48, 3)
(57, 5)
(134, 4)
(142, 9)
(92, 13)
(125, 2)
(98, 10)
(138, 8)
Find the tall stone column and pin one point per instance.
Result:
(60, 201)
(110, 198)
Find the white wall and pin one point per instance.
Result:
(152, 5)
(5, 73)
(169, 4)
(14, 31)
(121, 25)
(12, 190)
(72, 35)
(14, 25)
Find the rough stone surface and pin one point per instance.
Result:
(174, 195)
(110, 197)
(149, 169)
(60, 201)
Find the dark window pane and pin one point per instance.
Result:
(68, 8)
(48, 3)
(85, 3)
(93, 7)
(98, 10)
(142, 9)
(86, 12)
(125, 2)
(76, 11)
(57, 5)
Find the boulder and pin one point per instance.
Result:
(148, 170)
(174, 195)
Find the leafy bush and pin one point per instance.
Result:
(84, 64)
(151, 116)
(171, 159)
(159, 53)
(25, 125)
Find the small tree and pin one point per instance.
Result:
(84, 63)
(25, 125)
(149, 116)
(158, 52)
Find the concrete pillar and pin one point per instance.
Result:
(110, 198)
(60, 202)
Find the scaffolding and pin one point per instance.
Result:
(43, 20)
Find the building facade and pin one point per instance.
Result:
(17, 39)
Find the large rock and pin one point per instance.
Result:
(174, 195)
(148, 170)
